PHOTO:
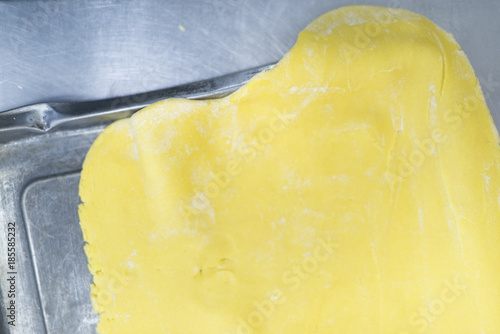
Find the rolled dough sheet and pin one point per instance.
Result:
(354, 188)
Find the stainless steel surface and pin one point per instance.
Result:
(66, 51)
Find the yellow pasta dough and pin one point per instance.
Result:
(354, 188)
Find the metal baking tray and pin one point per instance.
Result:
(42, 146)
